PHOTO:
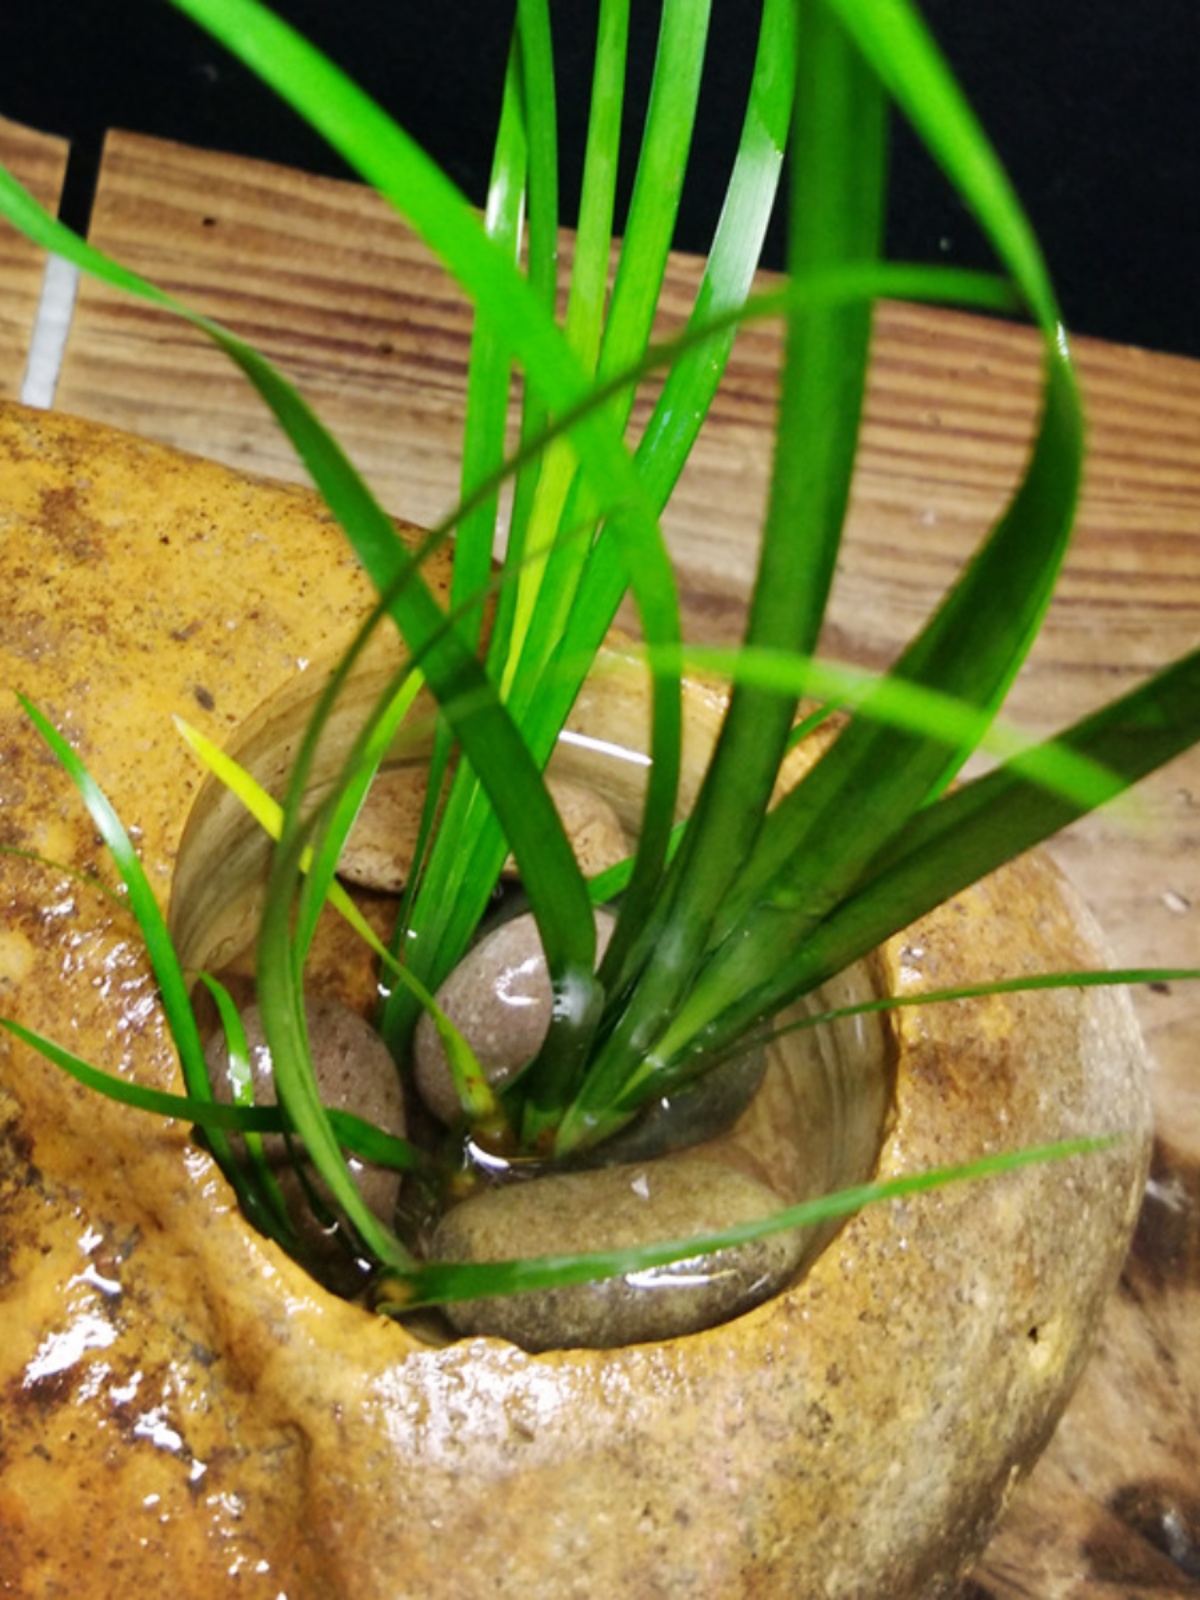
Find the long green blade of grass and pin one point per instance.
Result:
(818, 842)
(386, 158)
(281, 1004)
(697, 361)
(975, 829)
(539, 94)
(658, 185)
(839, 157)
(981, 634)
(524, 179)
(670, 119)
(816, 845)
(217, 1120)
(489, 369)
(489, 382)
(696, 370)
(539, 103)
(587, 295)
(361, 1138)
(535, 833)
(909, 708)
(439, 1282)
(341, 810)
(971, 651)
(168, 973)
(598, 189)
(693, 377)
(897, 43)
(239, 1076)
(1027, 983)
(524, 171)
(837, 287)
(479, 1102)
(61, 870)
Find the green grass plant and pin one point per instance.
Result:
(725, 921)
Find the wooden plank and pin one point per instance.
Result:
(337, 291)
(38, 161)
(319, 274)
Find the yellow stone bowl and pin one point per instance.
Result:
(182, 1405)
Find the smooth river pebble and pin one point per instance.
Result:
(355, 1072)
(499, 997)
(677, 1197)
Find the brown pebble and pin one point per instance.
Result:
(590, 823)
(676, 1197)
(355, 1072)
(689, 1116)
(499, 998)
(378, 853)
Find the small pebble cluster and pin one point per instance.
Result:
(668, 1176)
(648, 1193)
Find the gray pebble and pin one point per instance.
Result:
(676, 1197)
(689, 1116)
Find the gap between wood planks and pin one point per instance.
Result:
(60, 279)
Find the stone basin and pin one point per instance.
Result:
(179, 1402)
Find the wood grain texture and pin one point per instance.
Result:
(320, 275)
(38, 161)
(338, 292)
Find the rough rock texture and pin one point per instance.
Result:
(175, 1397)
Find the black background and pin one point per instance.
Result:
(1093, 105)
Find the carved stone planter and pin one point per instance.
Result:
(178, 1399)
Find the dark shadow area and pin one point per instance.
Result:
(1092, 106)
